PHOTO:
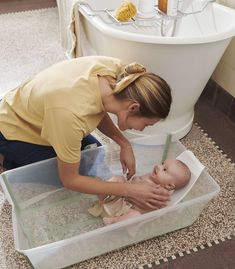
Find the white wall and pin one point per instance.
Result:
(224, 73)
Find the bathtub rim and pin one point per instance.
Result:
(96, 22)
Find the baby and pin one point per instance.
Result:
(171, 174)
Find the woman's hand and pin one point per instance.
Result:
(148, 195)
(127, 160)
(107, 127)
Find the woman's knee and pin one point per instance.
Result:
(89, 141)
(19, 153)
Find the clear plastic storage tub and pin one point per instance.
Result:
(51, 224)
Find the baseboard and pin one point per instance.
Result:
(220, 98)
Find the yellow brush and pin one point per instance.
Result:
(125, 12)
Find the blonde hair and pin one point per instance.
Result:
(150, 91)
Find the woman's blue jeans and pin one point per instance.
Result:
(18, 153)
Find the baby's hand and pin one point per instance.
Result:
(170, 187)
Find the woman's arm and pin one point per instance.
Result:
(146, 194)
(71, 179)
(127, 158)
(107, 127)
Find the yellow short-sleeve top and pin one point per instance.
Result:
(59, 106)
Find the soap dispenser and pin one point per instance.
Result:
(169, 7)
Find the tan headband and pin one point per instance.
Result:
(131, 73)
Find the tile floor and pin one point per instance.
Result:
(213, 122)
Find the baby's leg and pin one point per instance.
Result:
(132, 213)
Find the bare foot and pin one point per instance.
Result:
(110, 220)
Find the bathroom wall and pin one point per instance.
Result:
(224, 74)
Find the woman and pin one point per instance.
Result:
(53, 114)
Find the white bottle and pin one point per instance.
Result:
(146, 8)
(172, 7)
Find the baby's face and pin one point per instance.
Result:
(166, 173)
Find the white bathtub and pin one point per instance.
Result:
(185, 60)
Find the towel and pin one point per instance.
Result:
(71, 32)
(69, 26)
(195, 167)
(112, 207)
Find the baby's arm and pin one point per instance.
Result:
(112, 179)
(132, 213)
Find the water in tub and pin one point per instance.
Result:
(58, 213)
(48, 213)
(59, 216)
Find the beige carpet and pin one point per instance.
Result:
(30, 43)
